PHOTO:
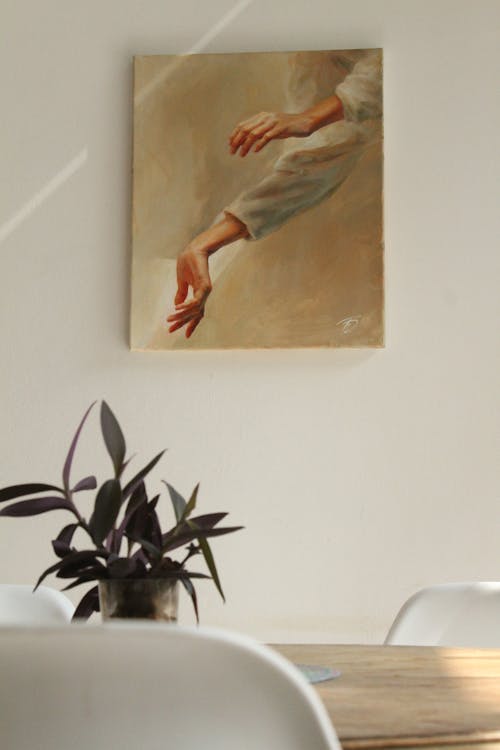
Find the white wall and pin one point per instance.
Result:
(359, 475)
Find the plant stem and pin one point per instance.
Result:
(192, 551)
(81, 520)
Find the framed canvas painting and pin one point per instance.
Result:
(257, 201)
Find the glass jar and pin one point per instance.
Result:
(139, 598)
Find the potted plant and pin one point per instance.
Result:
(129, 555)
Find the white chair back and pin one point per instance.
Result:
(20, 605)
(450, 614)
(152, 686)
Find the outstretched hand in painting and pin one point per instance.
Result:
(251, 134)
(256, 132)
(192, 271)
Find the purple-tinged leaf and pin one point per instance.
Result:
(136, 514)
(80, 569)
(192, 593)
(78, 561)
(140, 557)
(62, 544)
(148, 546)
(88, 604)
(35, 506)
(71, 452)
(85, 578)
(153, 528)
(144, 524)
(175, 571)
(84, 556)
(126, 463)
(153, 502)
(113, 438)
(137, 524)
(46, 572)
(166, 567)
(109, 541)
(89, 483)
(20, 490)
(184, 538)
(130, 487)
(141, 570)
(61, 549)
(123, 567)
(138, 498)
(207, 521)
(66, 534)
(107, 507)
(113, 542)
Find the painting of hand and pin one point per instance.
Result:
(258, 131)
(192, 271)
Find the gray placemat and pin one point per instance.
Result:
(314, 674)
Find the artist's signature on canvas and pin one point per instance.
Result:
(349, 324)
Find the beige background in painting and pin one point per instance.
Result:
(293, 288)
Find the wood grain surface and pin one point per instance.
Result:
(401, 696)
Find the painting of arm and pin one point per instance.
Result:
(297, 183)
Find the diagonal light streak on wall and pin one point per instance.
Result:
(198, 46)
(216, 29)
(41, 196)
(66, 172)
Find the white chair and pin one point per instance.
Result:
(450, 614)
(19, 605)
(152, 686)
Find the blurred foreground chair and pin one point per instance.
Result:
(19, 605)
(151, 686)
(450, 614)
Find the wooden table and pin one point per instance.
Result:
(401, 696)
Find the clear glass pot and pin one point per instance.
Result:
(139, 598)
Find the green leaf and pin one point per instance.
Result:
(178, 502)
(182, 509)
(191, 503)
(209, 559)
(106, 509)
(113, 438)
(192, 593)
(207, 521)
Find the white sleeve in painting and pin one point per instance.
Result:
(361, 91)
(299, 181)
(304, 177)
